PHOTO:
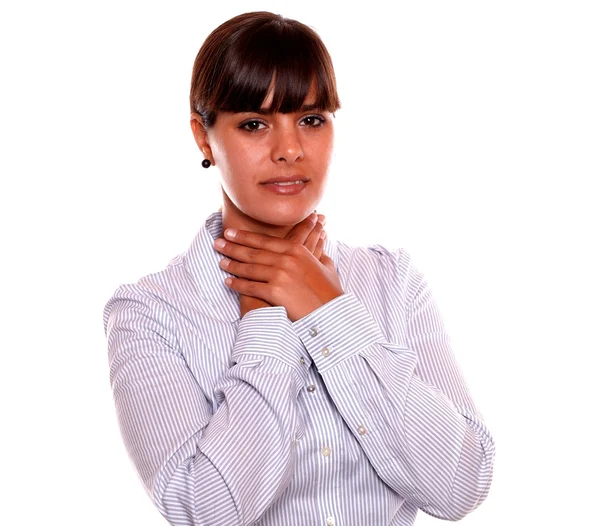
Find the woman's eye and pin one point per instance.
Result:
(313, 121)
(252, 126)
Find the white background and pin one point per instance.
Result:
(469, 135)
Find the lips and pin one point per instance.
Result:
(287, 184)
(286, 187)
(286, 179)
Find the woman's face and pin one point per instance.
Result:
(250, 149)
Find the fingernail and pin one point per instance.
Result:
(323, 234)
(219, 243)
(231, 233)
(225, 262)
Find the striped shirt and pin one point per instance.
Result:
(355, 415)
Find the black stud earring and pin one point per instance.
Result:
(206, 163)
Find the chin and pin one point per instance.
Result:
(281, 212)
(283, 218)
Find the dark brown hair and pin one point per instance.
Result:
(240, 59)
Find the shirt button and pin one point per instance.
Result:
(362, 430)
(302, 361)
(325, 351)
(330, 521)
(311, 388)
(313, 331)
(326, 451)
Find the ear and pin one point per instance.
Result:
(201, 137)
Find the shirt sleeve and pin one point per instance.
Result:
(205, 468)
(407, 405)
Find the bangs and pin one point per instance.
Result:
(280, 56)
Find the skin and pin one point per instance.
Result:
(249, 148)
(277, 252)
(308, 234)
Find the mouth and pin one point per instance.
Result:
(290, 183)
(280, 187)
(286, 181)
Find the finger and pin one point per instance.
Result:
(327, 261)
(246, 254)
(320, 244)
(252, 271)
(254, 240)
(255, 289)
(318, 252)
(301, 231)
(313, 238)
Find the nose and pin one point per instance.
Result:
(287, 146)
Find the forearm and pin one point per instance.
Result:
(436, 456)
(245, 456)
(420, 443)
(416, 439)
(217, 461)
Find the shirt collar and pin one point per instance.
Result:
(203, 263)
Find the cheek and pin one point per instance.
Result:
(322, 152)
(231, 161)
(239, 159)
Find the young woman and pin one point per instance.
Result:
(270, 375)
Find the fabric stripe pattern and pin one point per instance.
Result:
(356, 414)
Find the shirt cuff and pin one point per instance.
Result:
(337, 331)
(267, 332)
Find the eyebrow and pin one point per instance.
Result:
(306, 107)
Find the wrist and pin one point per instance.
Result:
(249, 303)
